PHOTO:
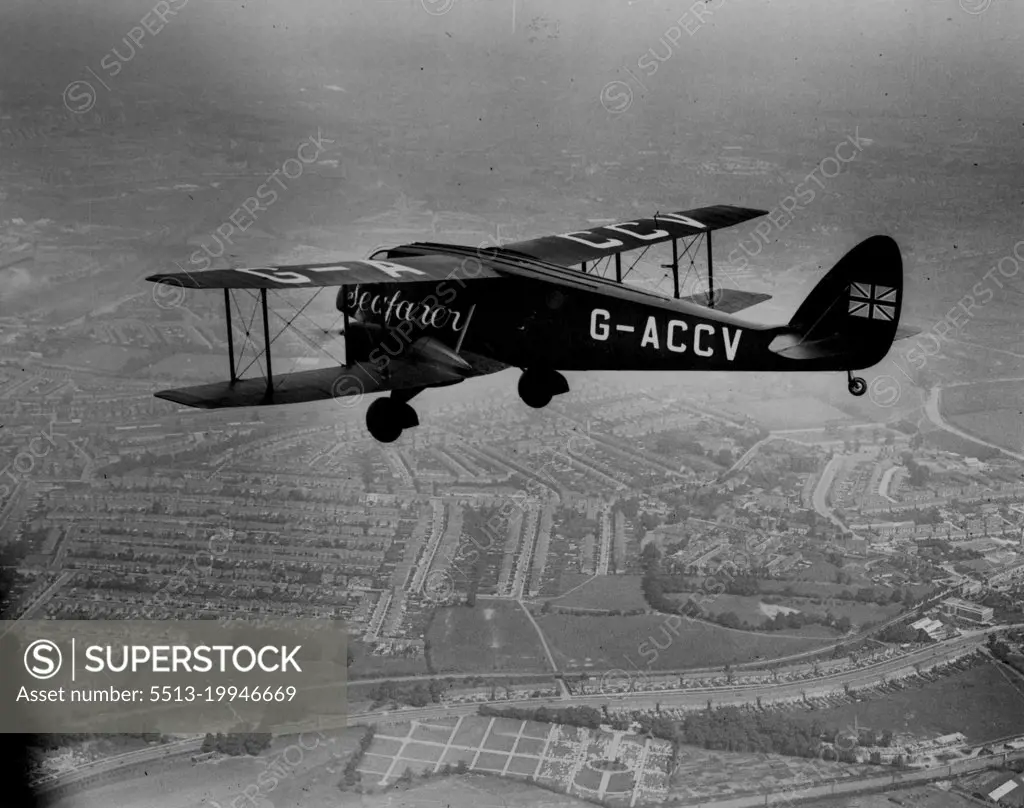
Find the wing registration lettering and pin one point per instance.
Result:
(590, 238)
(646, 235)
(284, 276)
(290, 276)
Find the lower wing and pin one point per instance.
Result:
(319, 385)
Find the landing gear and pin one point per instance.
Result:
(856, 384)
(537, 387)
(386, 418)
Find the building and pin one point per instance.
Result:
(966, 610)
(933, 628)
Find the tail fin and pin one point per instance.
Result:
(852, 316)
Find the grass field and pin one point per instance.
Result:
(309, 778)
(979, 702)
(748, 608)
(990, 411)
(920, 797)
(604, 592)
(492, 636)
(703, 774)
(603, 643)
(1001, 427)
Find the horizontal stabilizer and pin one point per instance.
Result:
(906, 332)
(791, 347)
(728, 301)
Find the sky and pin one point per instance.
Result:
(906, 56)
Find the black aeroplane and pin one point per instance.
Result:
(429, 315)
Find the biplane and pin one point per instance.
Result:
(425, 315)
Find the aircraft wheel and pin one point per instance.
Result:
(383, 419)
(533, 392)
(858, 386)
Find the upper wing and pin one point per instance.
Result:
(573, 248)
(338, 273)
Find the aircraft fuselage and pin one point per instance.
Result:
(526, 323)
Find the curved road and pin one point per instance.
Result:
(820, 497)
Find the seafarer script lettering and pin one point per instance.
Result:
(392, 307)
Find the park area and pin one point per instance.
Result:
(659, 642)
(756, 610)
(491, 636)
(600, 593)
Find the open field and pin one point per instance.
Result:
(493, 636)
(990, 411)
(703, 774)
(604, 592)
(1000, 427)
(753, 610)
(310, 778)
(979, 702)
(583, 761)
(826, 589)
(919, 797)
(788, 413)
(603, 643)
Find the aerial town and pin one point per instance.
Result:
(686, 588)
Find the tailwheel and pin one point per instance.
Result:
(856, 384)
(387, 418)
(538, 387)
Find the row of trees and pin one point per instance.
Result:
(902, 633)
(417, 694)
(236, 743)
(1002, 651)
(733, 729)
(351, 775)
(548, 608)
(582, 716)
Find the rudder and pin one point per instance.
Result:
(854, 311)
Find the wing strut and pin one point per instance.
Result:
(618, 267)
(711, 277)
(674, 266)
(231, 338)
(266, 342)
(344, 324)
